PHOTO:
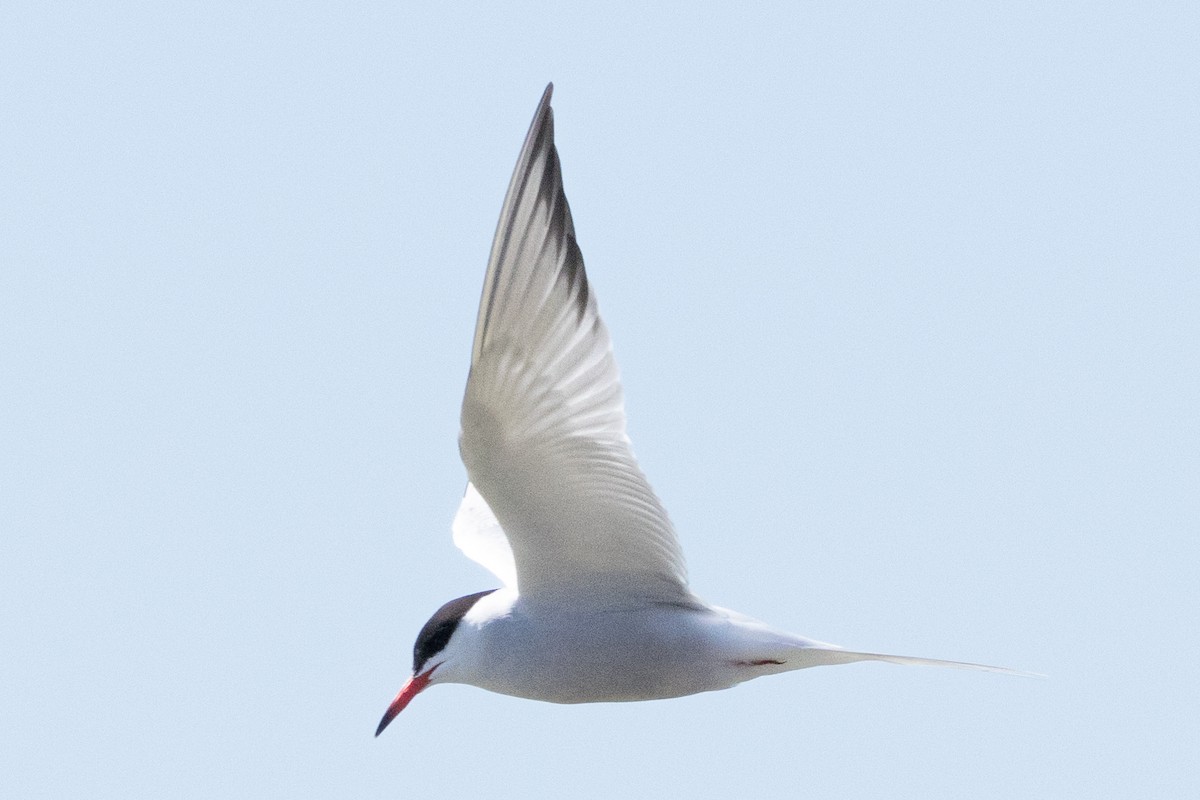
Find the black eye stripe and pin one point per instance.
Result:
(441, 626)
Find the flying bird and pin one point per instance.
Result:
(594, 604)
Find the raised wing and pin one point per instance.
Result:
(478, 534)
(543, 422)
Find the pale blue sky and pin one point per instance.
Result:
(905, 299)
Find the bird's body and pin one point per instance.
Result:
(595, 605)
(644, 652)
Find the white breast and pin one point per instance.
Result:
(579, 656)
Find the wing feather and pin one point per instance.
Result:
(543, 421)
(478, 534)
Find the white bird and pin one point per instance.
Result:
(595, 604)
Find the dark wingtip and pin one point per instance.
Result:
(544, 104)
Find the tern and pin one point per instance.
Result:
(594, 604)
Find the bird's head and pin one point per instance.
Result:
(435, 647)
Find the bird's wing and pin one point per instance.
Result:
(478, 534)
(543, 421)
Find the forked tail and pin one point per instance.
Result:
(828, 654)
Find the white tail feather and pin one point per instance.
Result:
(835, 655)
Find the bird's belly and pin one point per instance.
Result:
(613, 657)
